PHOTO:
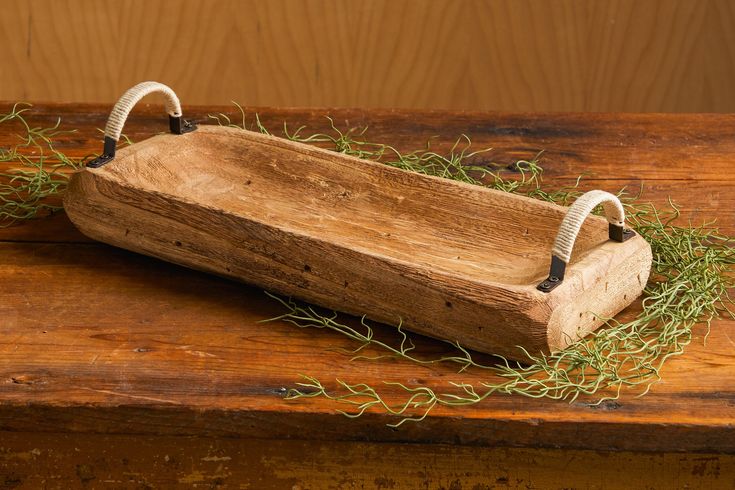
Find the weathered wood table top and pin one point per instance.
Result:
(99, 340)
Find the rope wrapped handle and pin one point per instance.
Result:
(561, 252)
(125, 104)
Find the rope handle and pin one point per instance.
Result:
(125, 104)
(572, 222)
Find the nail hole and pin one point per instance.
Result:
(448, 304)
(177, 243)
(307, 268)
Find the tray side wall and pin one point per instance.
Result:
(478, 316)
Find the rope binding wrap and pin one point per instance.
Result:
(122, 108)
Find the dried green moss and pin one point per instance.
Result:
(33, 186)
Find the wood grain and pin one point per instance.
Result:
(98, 340)
(522, 55)
(130, 461)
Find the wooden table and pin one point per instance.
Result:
(118, 370)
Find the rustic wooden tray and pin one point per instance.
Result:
(490, 270)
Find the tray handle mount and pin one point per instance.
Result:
(122, 109)
(571, 224)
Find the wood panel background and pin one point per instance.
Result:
(535, 55)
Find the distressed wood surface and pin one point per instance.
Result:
(95, 339)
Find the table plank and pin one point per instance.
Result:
(96, 339)
(72, 460)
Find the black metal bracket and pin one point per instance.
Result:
(558, 267)
(556, 275)
(108, 153)
(176, 124)
(180, 126)
(619, 233)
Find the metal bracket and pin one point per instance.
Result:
(619, 233)
(556, 275)
(108, 153)
(180, 126)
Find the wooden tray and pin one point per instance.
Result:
(447, 259)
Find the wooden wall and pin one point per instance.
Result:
(572, 55)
